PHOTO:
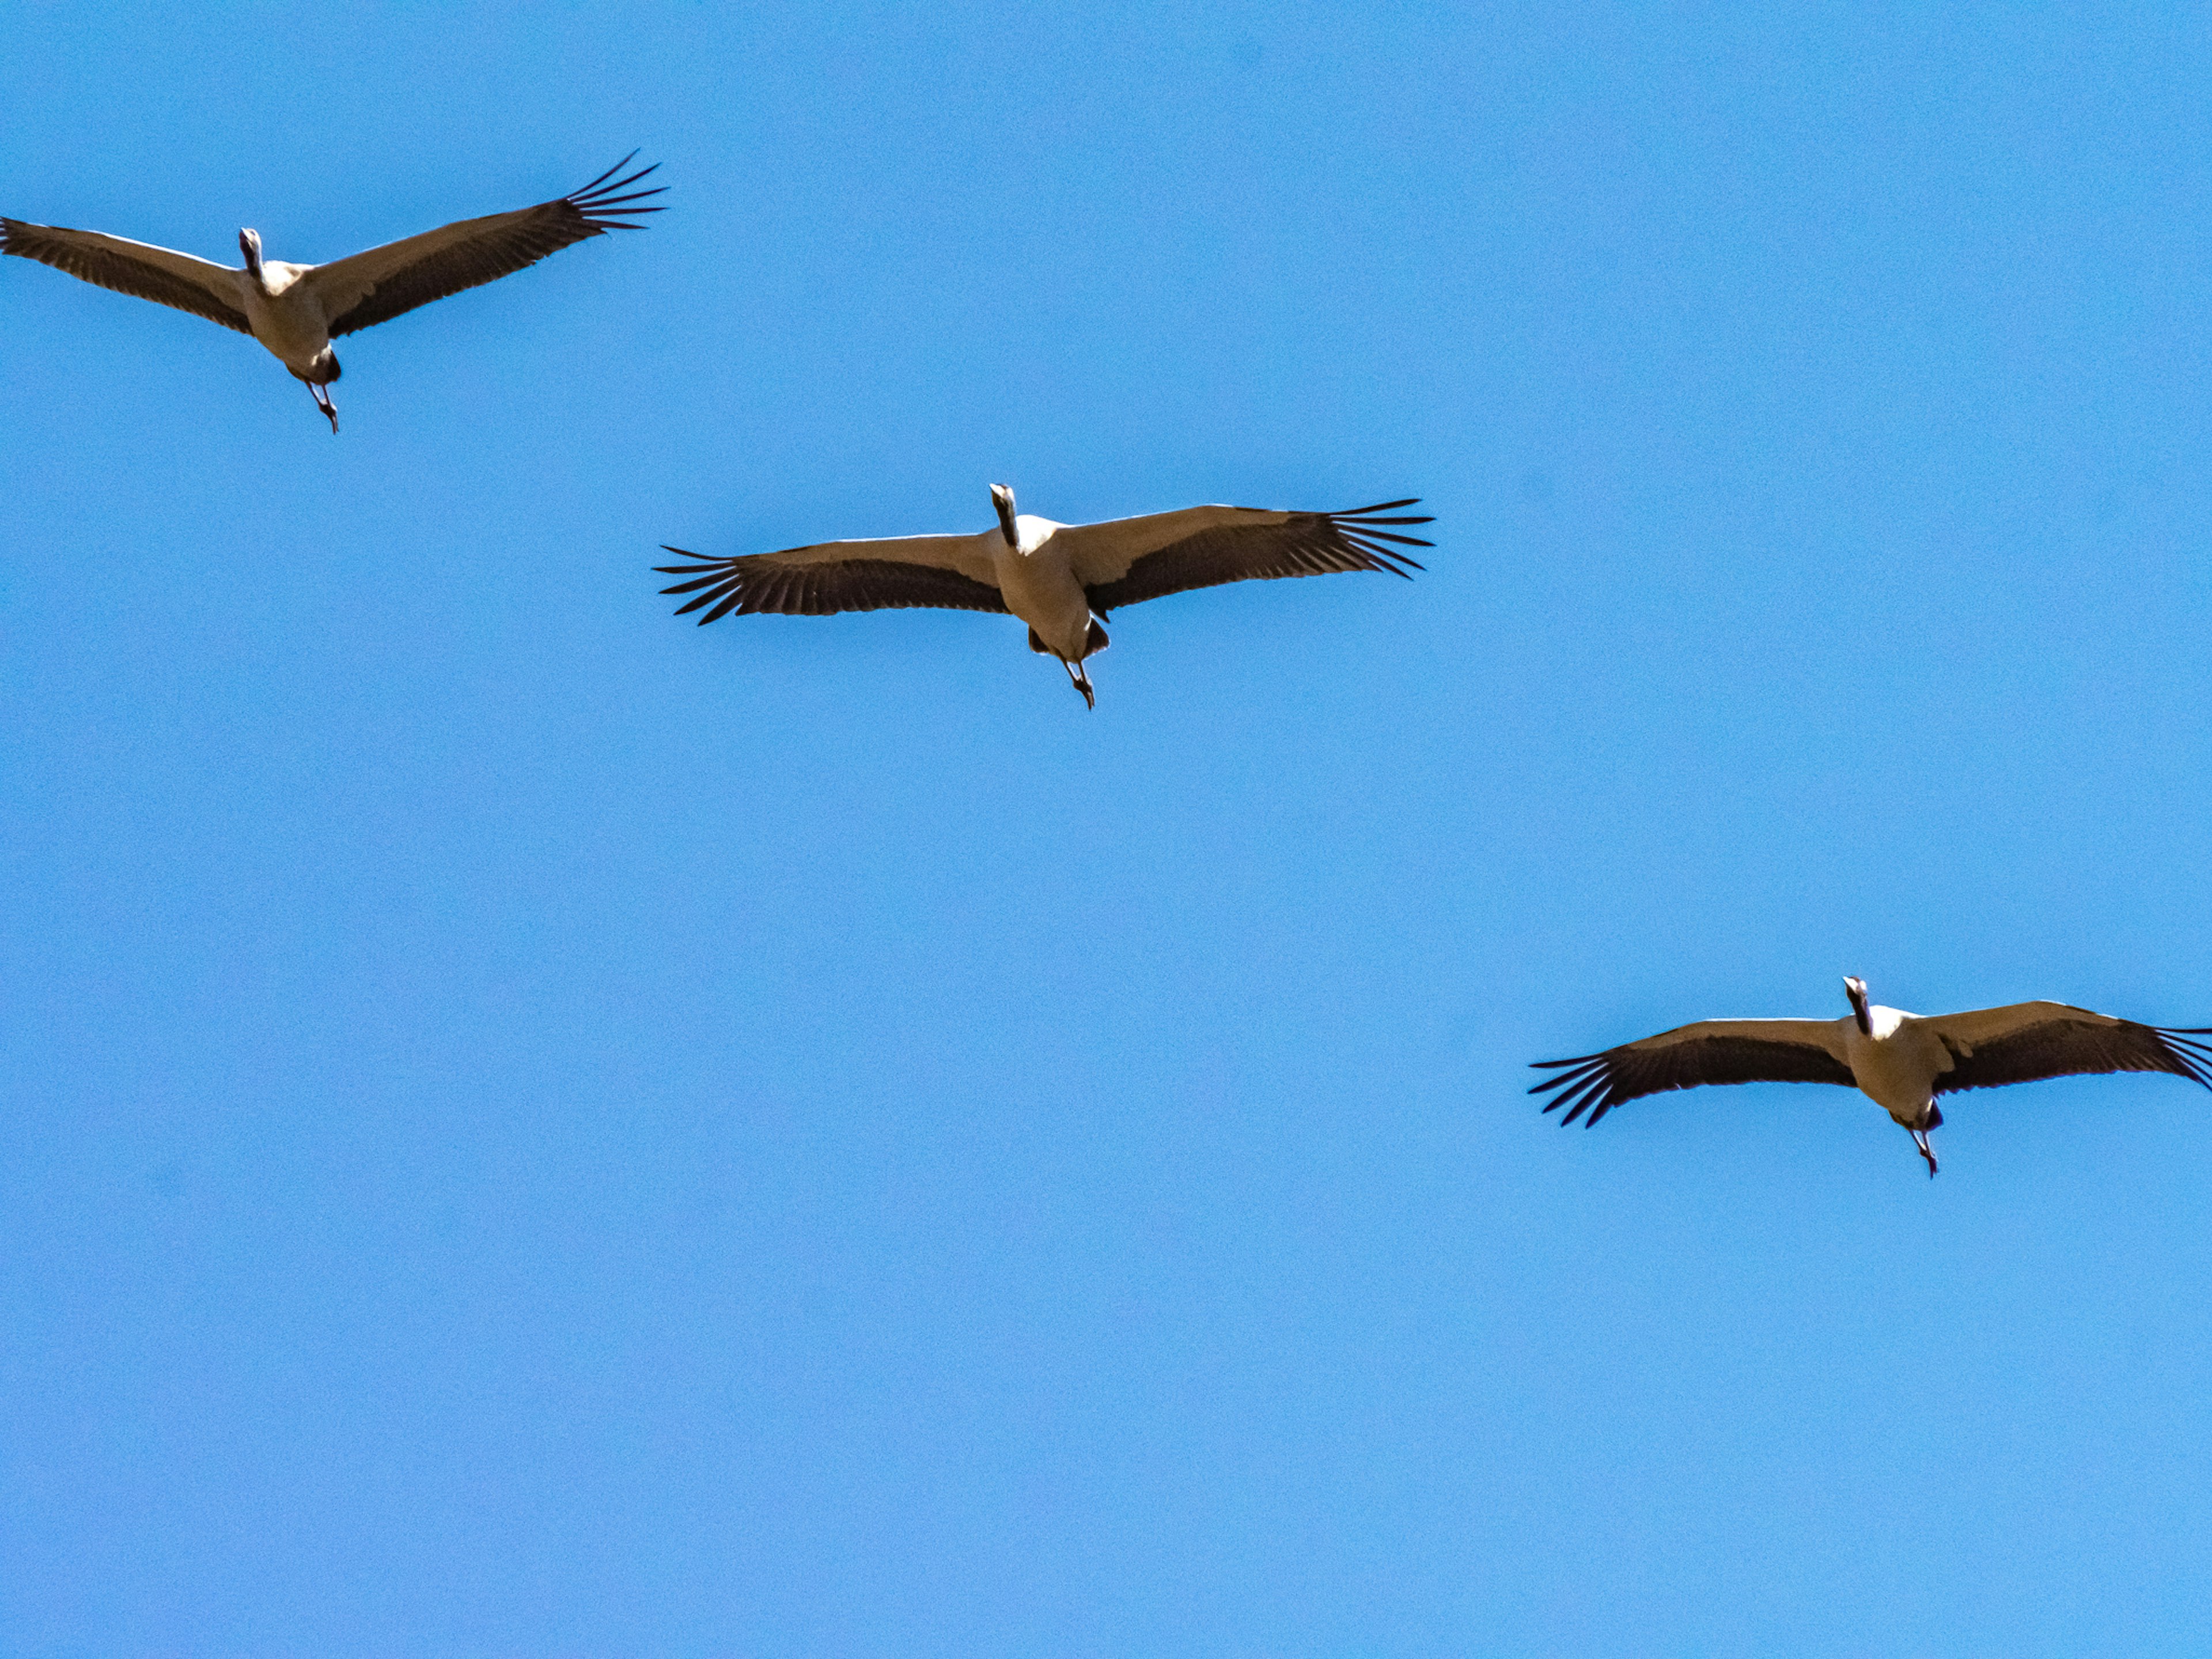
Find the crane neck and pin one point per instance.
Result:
(1863, 1013)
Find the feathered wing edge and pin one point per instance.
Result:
(1306, 545)
(1597, 1083)
(521, 239)
(2179, 1050)
(754, 582)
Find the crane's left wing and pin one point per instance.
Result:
(950, 573)
(1124, 560)
(1689, 1056)
(2028, 1041)
(365, 289)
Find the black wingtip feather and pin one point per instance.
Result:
(599, 185)
(603, 177)
(604, 205)
(2194, 1058)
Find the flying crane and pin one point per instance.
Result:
(1063, 579)
(296, 310)
(1901, 1061)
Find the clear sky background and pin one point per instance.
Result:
(533, 1127)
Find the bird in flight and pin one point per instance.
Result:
(296, 310)
(1063, 579)
(1901, 1061)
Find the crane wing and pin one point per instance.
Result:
(1710, 1051)
(1123, 561)
(371, 287)
(950, 573)
(160, 274)
(2028, 1041)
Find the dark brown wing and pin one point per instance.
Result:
(1712, 1051)
(1301, 544)
(770, 582)
(160, 274)
(371, 287)
(2062, 1046)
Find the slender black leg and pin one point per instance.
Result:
(1081, 681)
(322, 401)
(1920, 1139)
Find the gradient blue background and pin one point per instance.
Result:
(532, 1127)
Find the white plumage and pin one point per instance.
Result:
(1901, 1062)
(1062, 580)
(295, 310)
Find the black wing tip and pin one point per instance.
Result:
(1372, 515)
(603, 203)
(686, 570)
(2189, 1052)
(1362, 526)
(1384, 559)
(601, 181)
(1566, 1066)
(716, 571)
(1585, 1086)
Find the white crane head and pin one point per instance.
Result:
(249, 243)
(1856, 990)
(1002, 497)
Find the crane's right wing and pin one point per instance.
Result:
(160, 274)
(1710, 1051)
(951, 573)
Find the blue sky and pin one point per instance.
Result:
(535, 1128)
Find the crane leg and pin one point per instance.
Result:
(322, 401)
(1920, 1139)
(1081, 681)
